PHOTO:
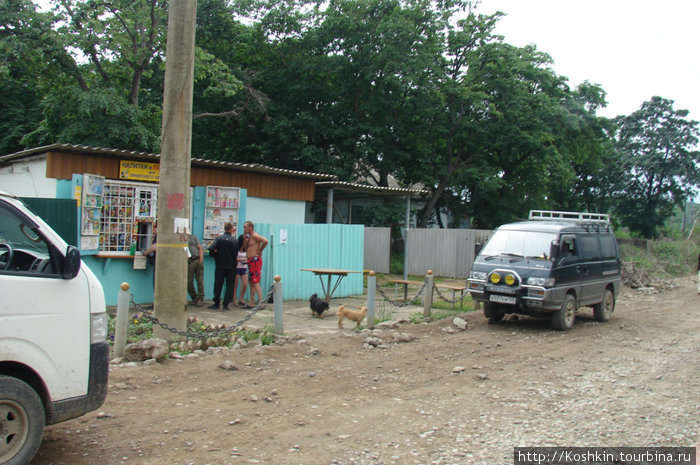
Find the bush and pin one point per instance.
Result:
(663, 258)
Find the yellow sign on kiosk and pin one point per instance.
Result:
(139, 171)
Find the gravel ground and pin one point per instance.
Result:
(429, 393)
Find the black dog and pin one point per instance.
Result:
(317, 305)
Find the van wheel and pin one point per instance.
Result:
(21, 421)
(493, 312)
(604, 310)
(563, 319)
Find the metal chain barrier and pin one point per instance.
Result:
(147, 314)
(450, 301)
(401, 304)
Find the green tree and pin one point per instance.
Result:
(588, 142)
(342, 81)
(26, 39)
(91, 72)
(501, 121)
(82, 65)
(657, 144)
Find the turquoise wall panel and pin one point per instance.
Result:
(199, 196)
(112, 272)
(329, 246)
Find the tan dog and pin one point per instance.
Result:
(355, 315)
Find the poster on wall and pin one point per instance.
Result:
(92, 198)
(221, 208)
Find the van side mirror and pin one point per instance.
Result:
(72, 264)
(554, 250)
(477, 248)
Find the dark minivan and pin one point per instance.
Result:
(550, 265)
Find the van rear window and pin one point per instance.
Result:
(590, 247)
(608, 247)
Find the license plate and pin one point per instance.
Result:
(502, 299)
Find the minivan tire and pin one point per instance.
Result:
(21, 421)
(604, 310)
(493, 312)
(563, 319)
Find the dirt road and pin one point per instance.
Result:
(450, 396)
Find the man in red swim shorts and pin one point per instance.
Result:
(255, 243)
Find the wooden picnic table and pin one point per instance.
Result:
(329, 273)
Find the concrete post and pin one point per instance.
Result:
(174, 187)
(278, 305)
(428, 294)
(122, 327)
(371, 301)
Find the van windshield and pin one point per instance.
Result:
(519, 244)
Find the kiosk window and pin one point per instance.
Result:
(128, 214)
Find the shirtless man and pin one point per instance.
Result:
(254, 246)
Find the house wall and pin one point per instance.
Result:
(307, 246)
(27, 178)
(63, 165)
(259, 210)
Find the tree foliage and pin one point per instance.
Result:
(657, 146)
(417, 92)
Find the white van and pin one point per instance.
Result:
(54, 355)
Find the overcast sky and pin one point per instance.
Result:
(634, 49)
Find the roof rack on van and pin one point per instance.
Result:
(579, 217)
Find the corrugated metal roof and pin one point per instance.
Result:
(252, 167)
(370, 189)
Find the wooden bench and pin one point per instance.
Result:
(454, 288)
(406, 283)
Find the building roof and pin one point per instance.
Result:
(370, 189)
(145, 156)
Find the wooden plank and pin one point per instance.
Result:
(454, 287)
(405, 281)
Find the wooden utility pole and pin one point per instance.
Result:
(174, 188)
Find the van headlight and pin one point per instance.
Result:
(481, 275)
(544, 282)
(98, 327)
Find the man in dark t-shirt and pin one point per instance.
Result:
(224, 249)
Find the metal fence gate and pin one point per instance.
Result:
(378, 249)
